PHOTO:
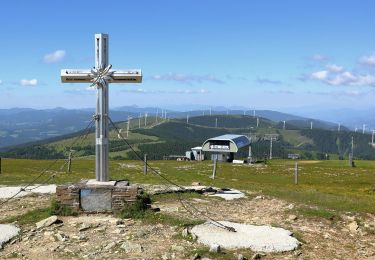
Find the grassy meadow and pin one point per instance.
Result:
(331, 185)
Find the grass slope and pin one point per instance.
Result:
(328, 184)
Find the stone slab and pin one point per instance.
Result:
(256, 238)
(7, 232)
(96, 200)
(9, 191)
(95, 183)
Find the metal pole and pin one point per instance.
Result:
(139, 121)
(145, 119)
(215, 164)
(216, 123)
(145, 164)
(271, 148)
(250, 154)
(351, 155)
(352, 146)
(102, 110)
(70, 162)
(128, 127)
(0, 165)
(296, 173)
(372, 137)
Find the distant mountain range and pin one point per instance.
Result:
(22, 125)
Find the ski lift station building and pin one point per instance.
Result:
(225, 146)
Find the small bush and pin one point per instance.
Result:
(137, 209)
(60, 210)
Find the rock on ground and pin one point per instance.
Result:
(46, 222)
(7, 232)
(7, 192)
(256, 238)
(230, 194)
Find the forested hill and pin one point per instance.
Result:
(159, 137)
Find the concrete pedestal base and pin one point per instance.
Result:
(92, 196)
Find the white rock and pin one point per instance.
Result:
(110, 245)
(256, 238)
(7, 192)
(46, 222)
(215, 248)
(353, 226)
(130, 247)
(7, 232)
(229, 194)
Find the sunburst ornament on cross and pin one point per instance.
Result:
(100, 77)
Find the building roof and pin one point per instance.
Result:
(238, 140)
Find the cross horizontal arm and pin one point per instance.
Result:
(84, 76)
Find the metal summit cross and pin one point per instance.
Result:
(100, 76)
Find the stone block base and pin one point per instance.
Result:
(92, 197)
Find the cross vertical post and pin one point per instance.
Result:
(101, 147)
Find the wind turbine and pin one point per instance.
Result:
(311, 125)
(284, 125)
(339, 127)
(364, 129)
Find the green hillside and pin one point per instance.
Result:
(159, 138)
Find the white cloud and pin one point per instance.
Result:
(29, 82)
(186, 78)
(334, 68)
(55, 56)
(337, 76)
(319, 75)
(318, 57)
(368, 60)
(268, 81)
(178, 91)
(346, 93)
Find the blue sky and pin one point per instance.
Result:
(256, 54)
